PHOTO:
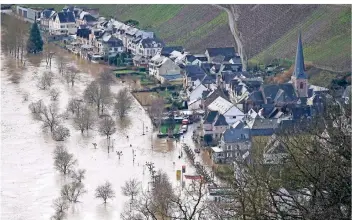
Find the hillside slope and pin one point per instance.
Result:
(264, 29)
(326, 35)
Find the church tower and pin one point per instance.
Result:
(299, 77)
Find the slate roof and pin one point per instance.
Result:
(152, 43)
(238, 125)
(261, 123)
(299, 71)
(221, 121)
(280, 92)
(227, 52)
(218, 59)
(83, 32)
(197, 92)
(209, 79)
(230, 67)
(194, 70)
(66, 17)
(190, 58)
(47, 13)
(253, 83)
(165, 51)
(256, 97)
(214, 95)
(233, 135)
(236, 60)
(89, 18)
(114, 42)
(206, 67)
(210, 116)
(201, 57)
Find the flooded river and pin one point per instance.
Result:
(29, 182)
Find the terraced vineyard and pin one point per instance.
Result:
(326, 35)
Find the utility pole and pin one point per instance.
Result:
(143, 129)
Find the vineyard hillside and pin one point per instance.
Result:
(265, 30)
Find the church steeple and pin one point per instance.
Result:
(299, 77)
(299, 64)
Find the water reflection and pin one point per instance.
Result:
(104, 211)
(35, 60)
(123, 124)
(14, 70)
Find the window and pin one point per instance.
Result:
(301, 85)
(62, 26)
(233, 116)
(229, 147)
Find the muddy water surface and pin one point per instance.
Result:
(29, 182)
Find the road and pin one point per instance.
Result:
(232, 15)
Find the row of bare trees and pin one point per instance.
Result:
(14, 36)
(165, 202)
(71, 192)
(65, 163)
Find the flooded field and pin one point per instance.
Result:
(28, 179)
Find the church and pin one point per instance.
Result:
(297, 93)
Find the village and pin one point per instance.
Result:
(207, 97)
(232, 106)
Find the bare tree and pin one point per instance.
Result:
(107, 78)
(60, 206)
(61, 62)
(54, 94)
(98, 94)
(36, 108)
(156, 110)
(50, 117)
(131, 188)
(107, 126)
(72, 191)
(14, 35)
(84, 119)
(60, 133)
(63, 160)
(48, 53)
(123, 103)
(105, 192)
(78, 175)
(46, 80)
(164, 202)
(71, 75)
(75, 105)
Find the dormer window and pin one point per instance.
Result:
(301, 85)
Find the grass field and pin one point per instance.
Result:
(164, 128)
